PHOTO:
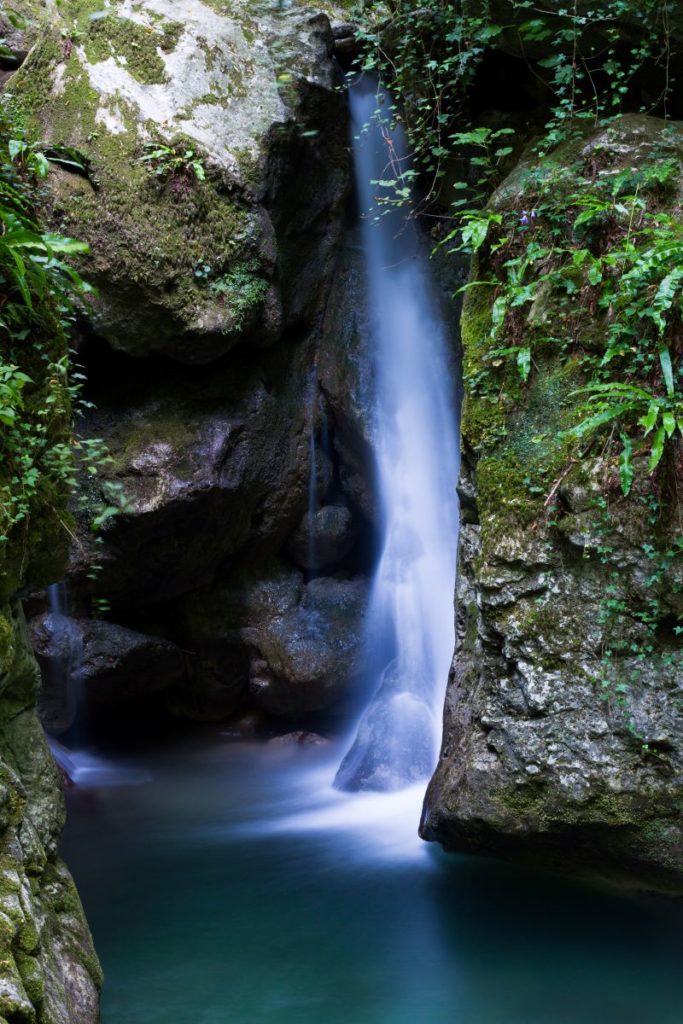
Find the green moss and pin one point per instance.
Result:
(483, 415)
(6, 642)
(171, 32)
(31, 975)
(137, 45)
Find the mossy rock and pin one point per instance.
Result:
(184, 254)
(563, 743)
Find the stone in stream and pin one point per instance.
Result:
(563, 735)
(394, 744)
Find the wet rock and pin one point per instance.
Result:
(346, 376)
(215, 685)
(324, 539)
(48, 964)
(394, 745)
(108, 665)
(302, 641)
(207, 467)
(308, 658)
(298, 739)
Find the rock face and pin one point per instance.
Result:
(109, 666)
(225, 235)
(551, 753)
(49, 970)
(213, 183)
(291, 647)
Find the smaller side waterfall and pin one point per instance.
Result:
(63, 686)
(410, 624)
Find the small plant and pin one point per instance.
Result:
(177, 165)
(40, 386)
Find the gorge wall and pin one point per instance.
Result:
(201, 150)
(221, 353)
(563, 737)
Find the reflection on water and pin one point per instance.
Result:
(236, 887)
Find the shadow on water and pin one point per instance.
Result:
(233, 888)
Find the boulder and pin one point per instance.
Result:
(104, 665)
(294, 648)
(323, 539)
(563, 742)
(194, 162)
(205, 467)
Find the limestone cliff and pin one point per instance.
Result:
(201, 150)
(563, 736)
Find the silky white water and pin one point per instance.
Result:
(410, 633)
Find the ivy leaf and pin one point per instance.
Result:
(657, 449)
(626, 465)
(667, 369)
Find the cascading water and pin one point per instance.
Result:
(63, 688)
(410, 633)
(63, 683)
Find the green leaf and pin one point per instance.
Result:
(58, 243)
(657, 449)
(16, 148)
(592, 423)
(626, 465)
(667, 369)
(668, 287)
(40, 165)
(650, 418)
(524, 363)
(669, 423)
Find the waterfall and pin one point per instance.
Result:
(63, 684)
(410, 633)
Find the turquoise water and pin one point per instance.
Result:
(234, 888)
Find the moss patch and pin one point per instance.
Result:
(131, 44)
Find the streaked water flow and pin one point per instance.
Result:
(221, 892)
(410, 622)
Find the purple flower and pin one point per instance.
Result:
(527, 216)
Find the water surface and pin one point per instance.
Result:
(235, 886)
